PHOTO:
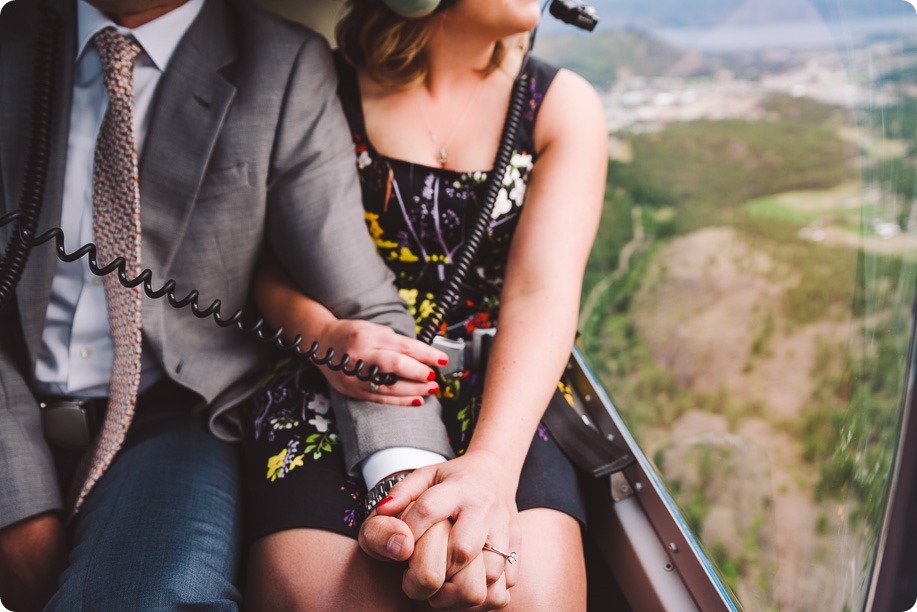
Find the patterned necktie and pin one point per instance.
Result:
(116, 225)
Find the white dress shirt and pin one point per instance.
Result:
(76, 351)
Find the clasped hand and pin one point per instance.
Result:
(438, 520)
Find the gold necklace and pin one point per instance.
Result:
(441, 150)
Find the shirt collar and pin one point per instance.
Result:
(159, 37)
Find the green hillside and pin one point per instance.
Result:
(599, 57)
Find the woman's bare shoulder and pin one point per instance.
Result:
(571, 110)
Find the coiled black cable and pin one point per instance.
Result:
(44, 87)
(22, 241)
(449, 296)
(22, 238)
(214, 310)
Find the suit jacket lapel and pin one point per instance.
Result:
(191, 104)
(18, 69)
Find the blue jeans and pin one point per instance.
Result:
(161, 529)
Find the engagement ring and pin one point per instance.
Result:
(510, 557)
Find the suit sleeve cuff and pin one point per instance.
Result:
(396, 459)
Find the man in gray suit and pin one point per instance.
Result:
(240, 141)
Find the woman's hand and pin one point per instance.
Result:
(410, 360)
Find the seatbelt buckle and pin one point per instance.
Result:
(458, 353)
(465, 356)
(481, 340)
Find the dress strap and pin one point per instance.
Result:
(541, 75)
(349, 94)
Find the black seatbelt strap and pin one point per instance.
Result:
(585, 446)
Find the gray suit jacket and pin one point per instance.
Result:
(246, 144)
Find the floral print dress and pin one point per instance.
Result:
(418, 217)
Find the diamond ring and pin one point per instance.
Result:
(510, 557)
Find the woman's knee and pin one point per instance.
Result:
(552, 569)
(312, 569)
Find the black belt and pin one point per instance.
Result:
(71, 422)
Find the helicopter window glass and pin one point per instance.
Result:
(748, 301)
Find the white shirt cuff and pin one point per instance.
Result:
(396, 459)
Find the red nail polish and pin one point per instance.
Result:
(385, 501)
(443, 361)
(417, 402)
(431, 376)
(433, 389)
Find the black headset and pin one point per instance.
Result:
(412, 8)
(573, 12)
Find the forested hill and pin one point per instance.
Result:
(697, 13)
(598, 57)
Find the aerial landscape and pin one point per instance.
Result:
(749, 299)
(754, 268)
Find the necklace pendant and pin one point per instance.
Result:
(442, 156)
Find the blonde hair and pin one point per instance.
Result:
(389, 47)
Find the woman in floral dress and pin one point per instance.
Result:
(425, 132)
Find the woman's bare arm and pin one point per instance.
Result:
(538, 314)
(283, 305)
